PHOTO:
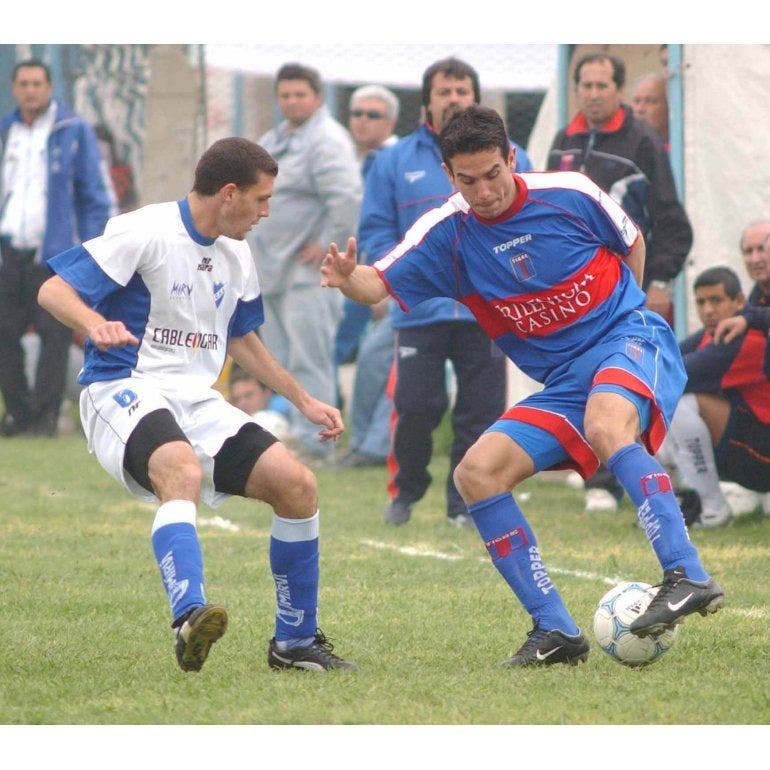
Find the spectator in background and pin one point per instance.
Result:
(269, 409)
(316, 200)
(373, 115)
(721, 426)
(627, 159)
(121, 174)
(405, 181)
(54, 195)
(755, 250)
(650, 103)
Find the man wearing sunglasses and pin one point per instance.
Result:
(373, 111)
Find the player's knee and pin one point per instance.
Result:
(475, 479)
(605, 437)
(182, 477)
(298, 496)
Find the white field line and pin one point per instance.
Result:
(421, 550)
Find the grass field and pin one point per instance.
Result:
(420, 608)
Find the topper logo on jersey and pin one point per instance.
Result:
(205, 265)
(219, 293)
(501, 247)
(414, 176)
(181, 290)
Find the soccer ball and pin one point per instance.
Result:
(617, 609)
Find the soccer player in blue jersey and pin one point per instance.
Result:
(163, 296)
(551, 267)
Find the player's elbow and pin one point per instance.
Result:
(45, 295)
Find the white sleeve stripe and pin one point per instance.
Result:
(419, 230)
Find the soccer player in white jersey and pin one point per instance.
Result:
(164, 295)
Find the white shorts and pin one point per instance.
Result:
(111, 410)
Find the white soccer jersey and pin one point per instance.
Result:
(183, 295)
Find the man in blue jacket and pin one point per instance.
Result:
(404, 182)
(54, 194)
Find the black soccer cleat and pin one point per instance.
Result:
(544, 648)
(317, 656)
(677, 597)
(194, 637)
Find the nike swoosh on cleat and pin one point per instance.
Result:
(679, 605)
(543, 655)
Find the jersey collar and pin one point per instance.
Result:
(184, 210)
(514, 208)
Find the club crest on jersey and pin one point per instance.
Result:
(523, 266)
(219, 293)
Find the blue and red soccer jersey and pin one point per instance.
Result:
(547, 282)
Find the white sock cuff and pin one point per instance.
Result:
(295, 530)
(175, 512)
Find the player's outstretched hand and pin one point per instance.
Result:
(323, 414)
(111, 334)
(730, 328)
(337, 268)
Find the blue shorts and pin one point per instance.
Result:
(645, 367)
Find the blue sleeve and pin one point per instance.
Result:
(425, 271)
(757, 317)
(247, 317)
(80, 270)
(606, 226)
(378, 229)
(92, 201)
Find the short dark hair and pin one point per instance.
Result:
(295, 71)
(473, 129)
(618, 67)
(31, 63)
(451, 68)
(716, 275)
(232, 160)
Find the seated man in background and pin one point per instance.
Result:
(269, 409)
(721, 427)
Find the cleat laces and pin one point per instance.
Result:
(324, 647)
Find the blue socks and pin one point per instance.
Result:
(294, 563)
(514, 551)
(650, 489)
(178, 554)
(293, 560)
